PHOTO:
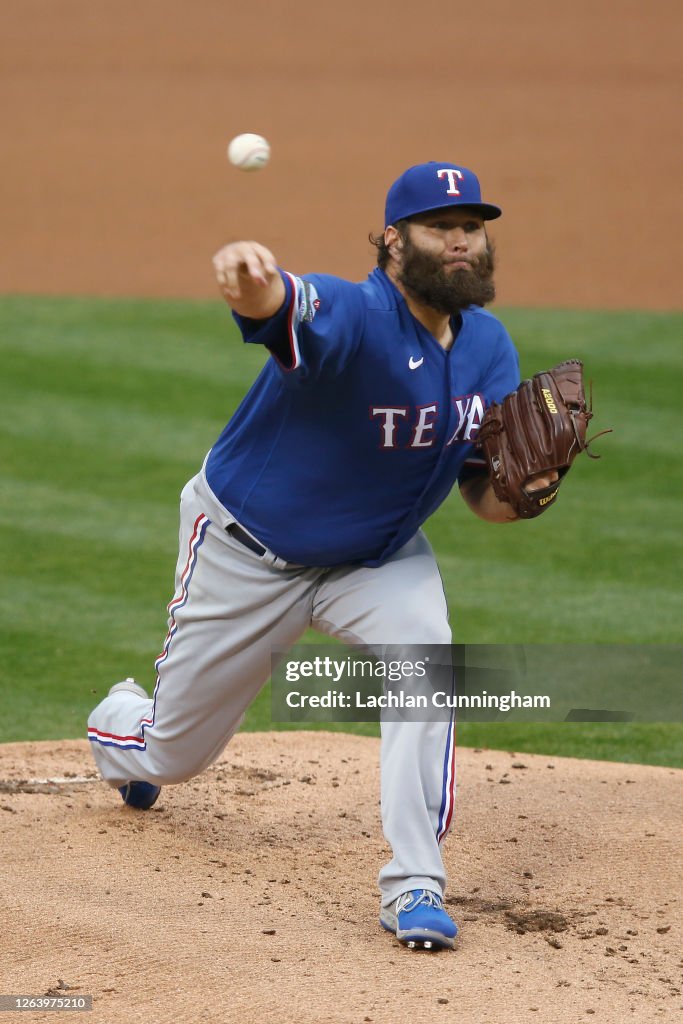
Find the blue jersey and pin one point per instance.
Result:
(359, 424)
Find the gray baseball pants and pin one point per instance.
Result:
(231, 610)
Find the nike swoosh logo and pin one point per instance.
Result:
(414, 363)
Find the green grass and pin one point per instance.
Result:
(109, 407)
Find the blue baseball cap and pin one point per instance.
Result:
(432, 186)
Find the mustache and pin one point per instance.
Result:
(483, 264)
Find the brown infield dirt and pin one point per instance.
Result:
(249, 894)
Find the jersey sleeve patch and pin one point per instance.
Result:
(309, 303)
(316, 331)
(304, 303)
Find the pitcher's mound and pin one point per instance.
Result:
(250, 893)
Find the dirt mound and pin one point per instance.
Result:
(249, 893)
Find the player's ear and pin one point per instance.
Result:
(393, 240)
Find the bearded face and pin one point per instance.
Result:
(445, 283)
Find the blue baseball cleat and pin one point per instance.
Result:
(141, 795)
(419, 921)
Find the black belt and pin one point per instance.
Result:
(243, 537)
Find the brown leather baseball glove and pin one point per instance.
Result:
(538, 428)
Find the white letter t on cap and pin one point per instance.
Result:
(451, 174)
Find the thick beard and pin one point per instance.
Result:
(424, 278)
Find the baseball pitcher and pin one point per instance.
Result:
(308, 509)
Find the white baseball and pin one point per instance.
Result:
(249, 152)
